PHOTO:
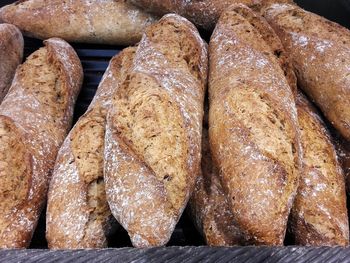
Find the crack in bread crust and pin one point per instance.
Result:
(87, 148)
(143, 114)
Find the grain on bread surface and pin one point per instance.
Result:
(204, 13)
(320, 53)
(153, 135)
(35, 117)
(253, 129)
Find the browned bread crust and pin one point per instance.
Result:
(153, 134)
(11, 54)
(114, 22)
(269, 36)
(319, 214)
(203, 14)
(35, 117)
(209, 207)
(253, 129)
(320, 53)
(78, 215)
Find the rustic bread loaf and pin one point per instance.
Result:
(209, 207)
(320, 53)
(78, 215)
(153, 134)
(114, 22)
(35, 117)
(203, 13)
(253, 129)
(11, 54)
(319, 214)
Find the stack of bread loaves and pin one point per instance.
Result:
(254, 159)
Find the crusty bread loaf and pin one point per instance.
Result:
(319, 214)
(114, 22)
(209, 207)
(11, 54)
(153, 134)
(253, 128)
(78, 215)
(203, 13)
(35, 117)
(320, 53)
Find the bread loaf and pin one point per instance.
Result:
(253, 128)
(209, 207)
(78, 215)
(11, 53)
(153, 134)
(35, 117)
(203, 13)
(319, 214)
(320, 53)
(114, 22)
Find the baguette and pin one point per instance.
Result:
(113, 22)
(78, 215)
(11, 54)
(35, 117)
(203, 14)
(253, 128)
(320, 53)
(319, 214)
(153, 134)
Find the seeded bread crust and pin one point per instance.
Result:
(209, 207)
(319, 214)
(78, 215)
(114, 22)
(153, 134)
(277, 50)
(35, 117)
(320, 53)
(253, 129)
(11, 54)
(203, 14)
